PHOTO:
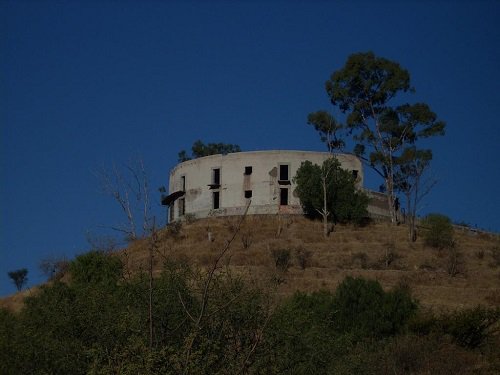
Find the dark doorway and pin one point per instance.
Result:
(215, 200)
(284, 197)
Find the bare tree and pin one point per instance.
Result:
(202, 316)
(128, 186)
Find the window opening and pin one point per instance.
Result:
(183, 183)
(215, 200)
(248, 171)
(248, 193)
(355, 173)
(216, 176)
(284, 172)
(284, 197)
(182, 206)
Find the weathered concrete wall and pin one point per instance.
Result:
(196, 178)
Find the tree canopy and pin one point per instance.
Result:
(199, 149)
(19, 277)
(345, 203)
(370, 91)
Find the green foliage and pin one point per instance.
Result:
(328, 128)
(384, 132)
(344, 202)
(95, 267)
(19, 277)
(98, 324)
(199, 149)
(363, 89)
(439, 233)
(471, 328)
(363, 308)
(300, 338)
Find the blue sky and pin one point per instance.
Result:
(87, 83)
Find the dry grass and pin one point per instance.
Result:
(379, 251)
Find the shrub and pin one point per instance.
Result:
(439, 232)
(174, 228)
(360, 259)
(472, 327)
(303, 258)
(363, 308)
(246, 240)
(281, 259)
(95, 267)
(454, 263)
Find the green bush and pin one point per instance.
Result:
(472, 327)
(439, 233)
(95, 267)
(363, 308)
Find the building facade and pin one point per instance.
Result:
(222, 185)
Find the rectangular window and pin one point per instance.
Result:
(248, 194)
(182, 206)
(355, 173)
(183, 183)
(248, 171)
(284, 172)
(283, 197)
(216, 176)
(215, 200)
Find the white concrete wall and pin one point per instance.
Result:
(263, 182)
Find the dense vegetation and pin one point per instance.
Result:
(199, 149)
(344, 202)
(99, 324)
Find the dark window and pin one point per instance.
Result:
(215, 200)
(248, 193)
(284, 172)
(216, 176)
(284, 197)
(248, 171)
(183, 183)
(355, 173)
(182, 206)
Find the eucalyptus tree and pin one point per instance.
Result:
(369, 91)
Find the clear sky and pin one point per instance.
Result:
(88, 83)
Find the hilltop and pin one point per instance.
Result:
(440, 279)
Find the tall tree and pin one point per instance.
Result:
(365, 90)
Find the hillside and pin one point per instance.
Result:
(378, 251)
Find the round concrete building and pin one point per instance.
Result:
(224, 184)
